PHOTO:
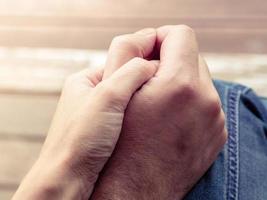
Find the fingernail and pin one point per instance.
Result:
(146, 31)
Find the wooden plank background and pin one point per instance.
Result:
(222, 26)
(41, 42)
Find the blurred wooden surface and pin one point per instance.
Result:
(222, 26)
(29, 96)
(31, 78)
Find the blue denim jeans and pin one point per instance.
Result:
(240, 171)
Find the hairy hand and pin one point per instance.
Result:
(173, 128)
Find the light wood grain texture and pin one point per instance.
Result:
(17, 156)
(103, 8)
(210, 39)
(222, 26)
(6, 194)
(25, 115)
(249, 70)
(38, 71)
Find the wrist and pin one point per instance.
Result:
(124, 184)
(53, 178)
(124, 179)
(117, 189)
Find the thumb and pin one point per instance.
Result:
(123, 83)
(125, 47)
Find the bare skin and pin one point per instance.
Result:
(173, 129)
(163, 117)
(84, 132)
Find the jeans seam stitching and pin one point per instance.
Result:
(225, 150)
(233, 144)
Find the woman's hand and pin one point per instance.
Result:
(84, 132)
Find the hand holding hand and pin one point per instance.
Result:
(84, 132)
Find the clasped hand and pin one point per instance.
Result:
(146, 126)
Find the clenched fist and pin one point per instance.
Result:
(173, 128)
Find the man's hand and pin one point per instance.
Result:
(84, 132)
(174, 127)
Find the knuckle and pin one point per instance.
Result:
(213, 106)
(187, 89)
(126, 43)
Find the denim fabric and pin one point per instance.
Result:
(240, 171)
(264, 101)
